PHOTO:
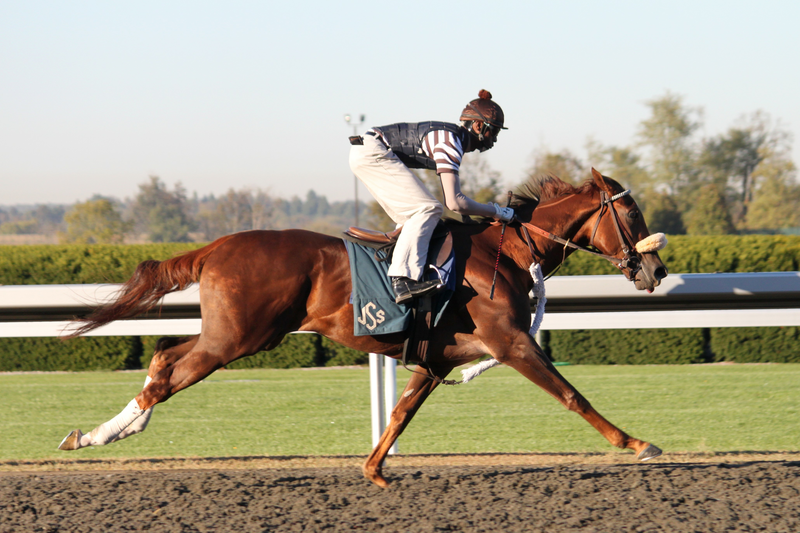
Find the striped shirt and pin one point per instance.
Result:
(445, 149)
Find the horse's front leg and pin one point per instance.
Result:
(527, 358)
(416, 391)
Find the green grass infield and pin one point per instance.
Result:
(693, 408)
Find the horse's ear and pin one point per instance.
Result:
(599, 181)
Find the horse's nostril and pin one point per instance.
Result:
(660, 273)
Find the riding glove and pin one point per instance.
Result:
(503, 214)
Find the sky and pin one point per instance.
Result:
(97, 96)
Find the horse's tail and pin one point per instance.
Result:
(151, 281)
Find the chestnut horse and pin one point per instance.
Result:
(258, 286)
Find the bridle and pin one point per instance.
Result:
(631, 260)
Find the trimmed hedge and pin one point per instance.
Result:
(130, 353)
(110, 263)
(628, 347)
(675, 346)
(338, 355)
(756, 345)
(706, 255)
(79, 263)
(59, 264)
(84, 353)
(295, 351)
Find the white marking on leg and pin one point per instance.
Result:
(108, 431)
(78, 440)
(140, 424)
(137, 426)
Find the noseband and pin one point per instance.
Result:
(630, 261)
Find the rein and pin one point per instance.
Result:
(500, 248)
(568, 244)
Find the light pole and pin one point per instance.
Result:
(350, 121)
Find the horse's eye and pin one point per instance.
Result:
(633, 214)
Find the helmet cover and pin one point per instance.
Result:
(485, 110)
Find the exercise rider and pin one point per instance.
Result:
(382, 160)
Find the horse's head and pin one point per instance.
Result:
(598, 213)
(619, 230)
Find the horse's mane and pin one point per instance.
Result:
(543, 187)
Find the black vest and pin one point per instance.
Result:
(405, 140)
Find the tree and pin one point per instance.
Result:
(49, 218)
(40, 219)
(667, 137)
(709, 214)
(95, 221)
(315, 205)
(377, 217)
(621, 164)
(162, 214)
(18, 227)
(663, 214)
(776, 197)
(478, 180)
(295, 206)
(262, 208)
(236, 211)
(731, 159)
(563, 164)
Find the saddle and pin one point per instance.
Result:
(371, 236)
(386, 241)
(415, 347)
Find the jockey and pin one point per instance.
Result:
(381, 159)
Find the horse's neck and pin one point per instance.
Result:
(566, 217)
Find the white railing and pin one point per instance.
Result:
(573, 302)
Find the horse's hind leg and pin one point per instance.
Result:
(526, 357)
(416, 391)
(168, 351)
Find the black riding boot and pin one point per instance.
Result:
(406, 289)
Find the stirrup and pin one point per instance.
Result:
(421, 289)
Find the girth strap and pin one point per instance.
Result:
(416, 345)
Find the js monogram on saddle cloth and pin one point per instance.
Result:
(374, 309)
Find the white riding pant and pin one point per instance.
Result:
(404, 198)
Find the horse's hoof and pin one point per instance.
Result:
(380, 481)
(650, 452)
(375, 476)
(71, 441)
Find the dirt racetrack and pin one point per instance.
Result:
(755, 495)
